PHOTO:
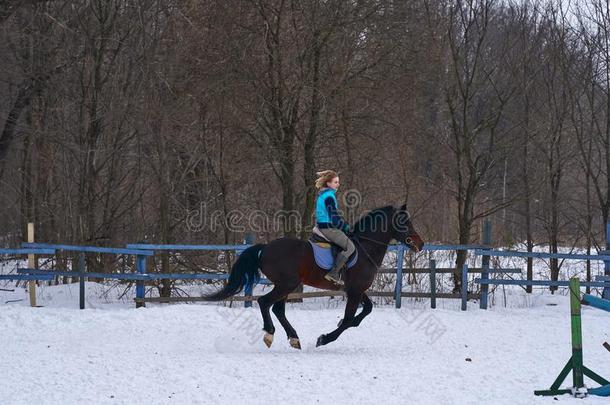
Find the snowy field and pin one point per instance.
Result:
(112, 353)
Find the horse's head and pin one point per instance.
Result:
(404, 231)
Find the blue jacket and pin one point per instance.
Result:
(327, 215)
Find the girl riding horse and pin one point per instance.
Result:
(288, 262)
(330, 223)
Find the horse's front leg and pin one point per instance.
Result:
(348, 320)
(367, 307)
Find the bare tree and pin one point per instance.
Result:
(476, 96)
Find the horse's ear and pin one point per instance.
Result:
(403, 207)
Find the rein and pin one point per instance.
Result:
(368, 256)
(366, 253)
(370, 240)
(356, 239)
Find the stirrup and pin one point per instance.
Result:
(337, 281)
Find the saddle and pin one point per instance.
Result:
(325, 251)
(319, 239)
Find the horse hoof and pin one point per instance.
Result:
(320, 341)
(295, 342)
(268, 339)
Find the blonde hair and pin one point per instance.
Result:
(324, 177)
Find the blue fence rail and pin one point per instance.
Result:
(143, 251)
(140, 256)
(140, 276)
(140, 251)
(155, 248)
(25, 251)
(538, 283)
(485, 281)
(86, 249)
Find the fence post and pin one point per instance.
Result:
(249, 239)
(432, 283)
(398, 289)
(141, 269)
(81, 279)
(606, 292)
(31, 265)
(485, 264)
(577, 362)
(464, 287)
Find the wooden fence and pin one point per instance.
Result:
(143, 251)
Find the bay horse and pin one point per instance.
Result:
(288, 262)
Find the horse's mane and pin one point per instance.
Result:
(365, 223)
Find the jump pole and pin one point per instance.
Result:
(575, 364)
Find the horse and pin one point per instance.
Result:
(288, 262)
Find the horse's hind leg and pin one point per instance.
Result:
(279, 309)
(265, 302)
(348, 320)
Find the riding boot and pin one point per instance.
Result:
(335, 274)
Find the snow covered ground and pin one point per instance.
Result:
(112, 353)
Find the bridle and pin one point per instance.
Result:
(408, 241)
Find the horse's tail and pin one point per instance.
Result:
(244, 272)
